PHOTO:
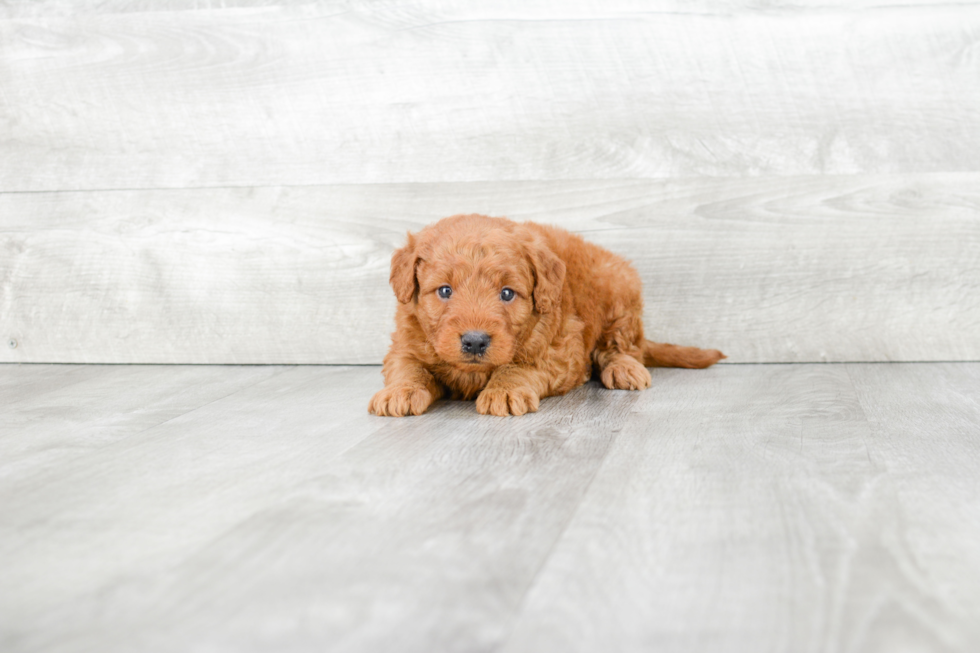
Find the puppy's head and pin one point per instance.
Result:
(477, 286)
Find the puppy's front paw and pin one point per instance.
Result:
(626, 373)
(400, 400)
(507, 401)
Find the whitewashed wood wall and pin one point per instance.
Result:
(224, 181)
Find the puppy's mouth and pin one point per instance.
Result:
(474, 361)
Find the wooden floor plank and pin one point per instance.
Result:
(754, 509)
(76, 533)
(784, 508)
(71, 410)
(926, 421)
(423, 537)
(18, 382)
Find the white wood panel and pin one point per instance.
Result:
(744, 508)
(541, 9)
(19, 382)
(92, 406)
(334, 92)
(422, 537)
(927, 417)
(756, 509)
(138, 506)
(772, 269)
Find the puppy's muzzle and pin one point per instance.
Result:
(474, 342)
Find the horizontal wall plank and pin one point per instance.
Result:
(856, 268)
(546, 9)
(329, 92)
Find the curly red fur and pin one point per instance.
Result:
(577, 307)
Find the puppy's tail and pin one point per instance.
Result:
(658, 354)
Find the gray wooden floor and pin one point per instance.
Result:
(743, 508)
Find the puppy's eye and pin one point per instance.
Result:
(507, 294)
(444, 292)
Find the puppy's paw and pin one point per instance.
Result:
(507, 401)
(400, 400)
(626, 373)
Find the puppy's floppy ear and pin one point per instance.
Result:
(402, 278)
(549, 274)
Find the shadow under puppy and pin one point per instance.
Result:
(509, 313)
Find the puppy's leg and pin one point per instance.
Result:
(617, 354)
(620, 371)
(409, 388)
(512, 390)
(621, 351)
(517, 388)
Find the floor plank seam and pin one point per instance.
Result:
(558, 538)
(204, 405)
(872, 427)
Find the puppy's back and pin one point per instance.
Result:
(599, 282)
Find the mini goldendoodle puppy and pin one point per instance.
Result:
(509, 313)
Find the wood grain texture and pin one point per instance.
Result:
(787, 269)
(757, 509)
(424, 536)
(927, 420)
(333, 92)
(159, 495)
(536, 8)
(99, 405)
(19, 382)
(744, 508)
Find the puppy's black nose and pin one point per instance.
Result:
(475, 342)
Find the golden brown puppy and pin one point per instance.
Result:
(509, 313)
